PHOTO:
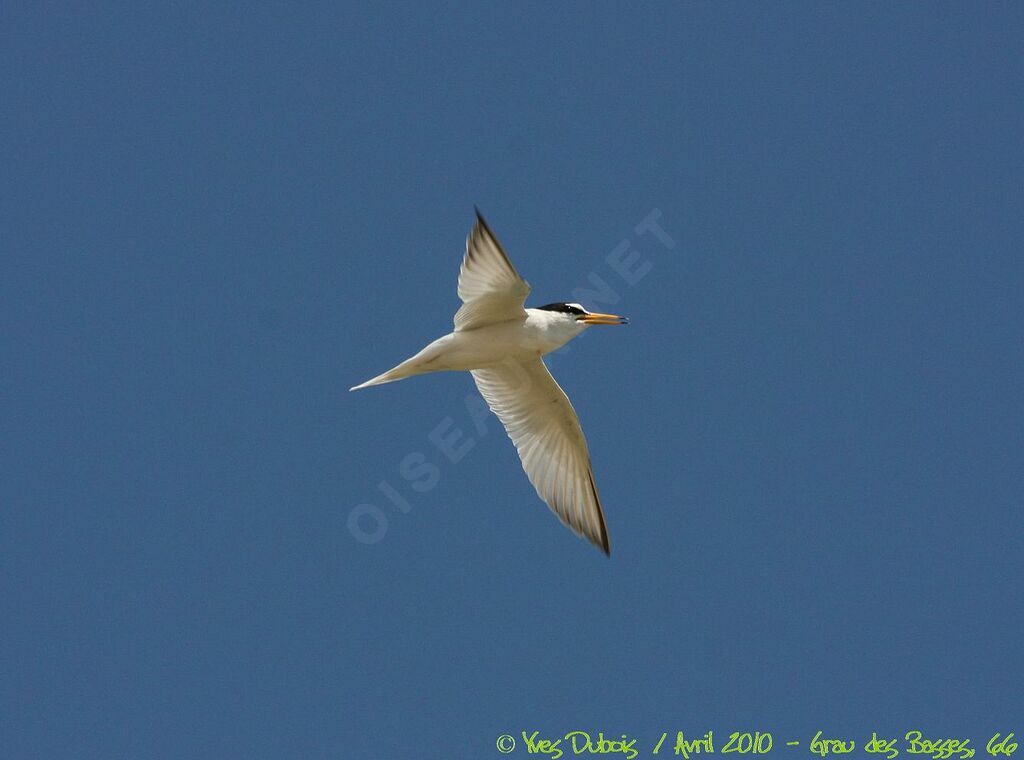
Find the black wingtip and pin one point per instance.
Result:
(485, 226)
(481, 221)
(606, 545)
(480, 218)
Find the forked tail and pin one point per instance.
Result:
(402, 371)
(427, 360)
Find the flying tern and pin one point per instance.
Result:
(500, 342)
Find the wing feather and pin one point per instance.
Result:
(490, 287)
(546, 432)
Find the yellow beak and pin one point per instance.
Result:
(603, 319)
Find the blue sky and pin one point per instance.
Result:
(808, 440)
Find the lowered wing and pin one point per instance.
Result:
(546, 432)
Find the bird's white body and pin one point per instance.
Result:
(500, 342)
(538, 333)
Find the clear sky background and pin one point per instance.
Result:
(808, 441)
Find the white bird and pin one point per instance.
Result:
(500, 342)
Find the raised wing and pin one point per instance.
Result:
(489, 286)
(546, 432)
